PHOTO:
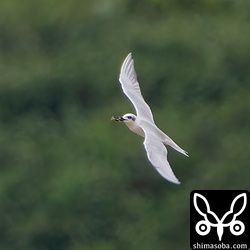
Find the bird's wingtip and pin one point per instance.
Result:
(129, 55)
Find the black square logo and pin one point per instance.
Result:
(219, 219)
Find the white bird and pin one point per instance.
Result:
(143, 124)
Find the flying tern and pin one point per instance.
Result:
(143, 123)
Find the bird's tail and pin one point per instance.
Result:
(168, 141)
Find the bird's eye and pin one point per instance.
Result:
(129, 117)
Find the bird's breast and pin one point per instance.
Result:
(136, 129)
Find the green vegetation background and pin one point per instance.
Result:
(69, 178)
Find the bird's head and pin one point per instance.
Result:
(125, 118)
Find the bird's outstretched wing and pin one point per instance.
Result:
(131, 88)
(157, 155)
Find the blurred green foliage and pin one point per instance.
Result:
(72, 180)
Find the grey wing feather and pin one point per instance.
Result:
(157, 155)
(131, 88)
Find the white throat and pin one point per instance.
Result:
(134, 127)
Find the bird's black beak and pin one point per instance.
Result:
(117, 119)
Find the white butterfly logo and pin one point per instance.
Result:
(236, 227)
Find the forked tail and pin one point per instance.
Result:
(171, 143)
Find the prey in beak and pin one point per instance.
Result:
(117, 119)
